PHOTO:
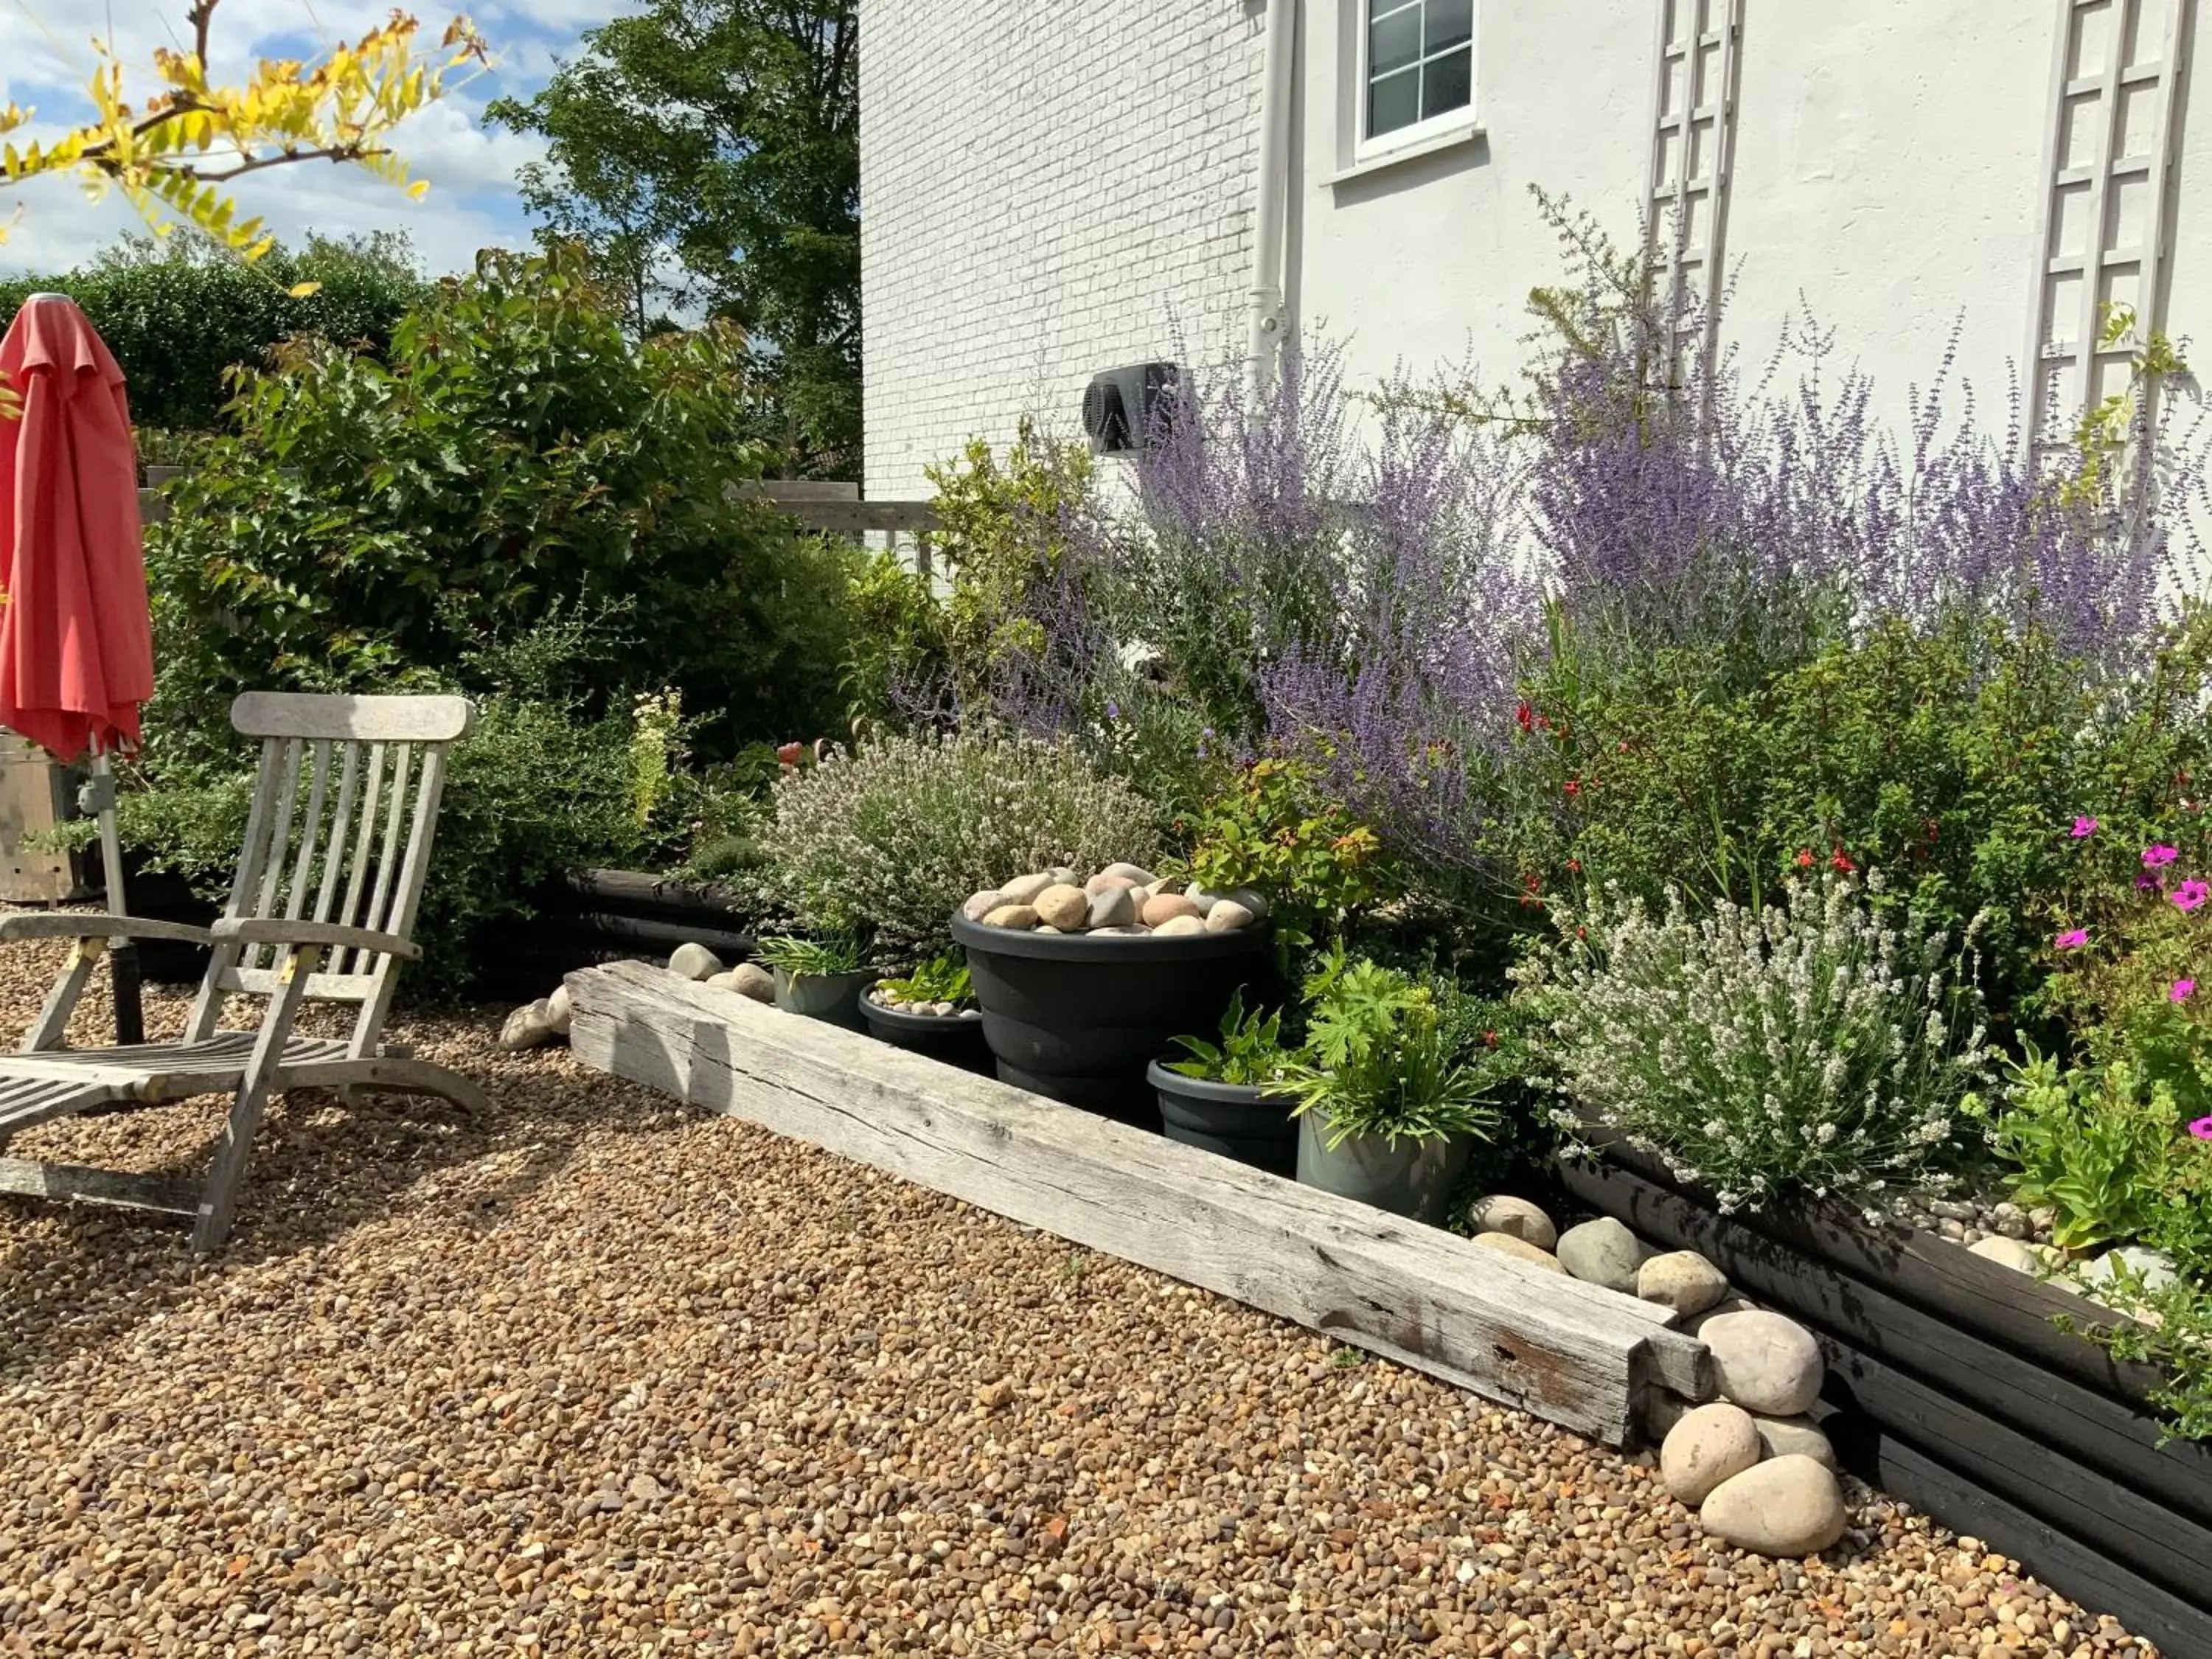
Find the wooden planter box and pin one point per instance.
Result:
(1950, 1386)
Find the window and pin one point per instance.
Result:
(1419, 59)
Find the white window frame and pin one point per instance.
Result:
(1432, 133)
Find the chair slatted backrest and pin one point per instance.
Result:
(344, 810)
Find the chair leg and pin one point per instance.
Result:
(52, 1024)
(219, 1198)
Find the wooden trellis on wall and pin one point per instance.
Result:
(2115, 85)
(1692, 155)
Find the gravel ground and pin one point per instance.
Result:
(601, 1376)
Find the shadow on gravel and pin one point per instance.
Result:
(75, 1276)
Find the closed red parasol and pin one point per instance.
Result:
(76, 643)
(76, 646)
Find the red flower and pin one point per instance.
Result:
(1575, 865)
(1582, 933)
(1624, 745)
(1804, 858)
(1574, 786)
(788, 753)
(1842, 863)
(1490, 1039)
(1526, 716)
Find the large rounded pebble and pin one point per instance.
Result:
(1794, 1437)
(1520, 1249)
(641, 1377)
(1706, 1447)
(1124, 930)
(1065, 875)
(749, 979)
(1024, 889)
(1179, 928)
(560, 1011)
(527, 1027)
(1682, 1281)
(1111, 907)
(2008, 1253)
(1603, 1252)
(1169, 906)
(695, 962)
(1251, 898)
(1105, 880)
(2152, 1271)
(977, 906)
(1765, 1363)
(1228, 916)
(1204, 897)
(1018, 917)
(1697, 1322)
(1502, 1212)
(1066, 907)
(1135, 874)
(1785, 1506)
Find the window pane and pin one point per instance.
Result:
(1394, 41)
(1447, 83)
(1394, 101)
(1451, 22)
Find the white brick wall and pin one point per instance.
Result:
(1048, 189)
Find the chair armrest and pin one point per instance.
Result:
(275, 930)
(75, 924)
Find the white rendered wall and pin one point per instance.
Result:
(1048, 189)
(1888, 178)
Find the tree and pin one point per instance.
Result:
(180, 314)
(175, 159)
(707, 153)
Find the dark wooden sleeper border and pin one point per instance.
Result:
(1950, 1387)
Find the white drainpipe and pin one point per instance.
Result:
(1278, 73)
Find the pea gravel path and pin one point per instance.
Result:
(601, 1376)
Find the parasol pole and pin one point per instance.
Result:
(98, 797)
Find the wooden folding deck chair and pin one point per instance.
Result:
(336, 848)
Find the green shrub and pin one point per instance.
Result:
(179, 314)
(1377, 1061)
(889, 839)
(1316, 864)
(1811, 1048)
(516, 455)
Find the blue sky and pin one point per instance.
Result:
(45, 56)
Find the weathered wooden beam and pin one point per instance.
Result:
(1573, 1353)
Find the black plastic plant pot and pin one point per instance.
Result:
(955, 1039)
(1233, 1119)
(1079, 1018)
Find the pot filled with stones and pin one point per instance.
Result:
(930, 1012)
(1084, 980)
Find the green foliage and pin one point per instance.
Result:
(177, 314)
(1316, 864)
(517, 456)
(897, 651)
(1377, 1062)
(1952, 764)
(725, 132)
(1249, 1054)
(2104, 1145)
(943, 978)
(811, 959)
(892, 837)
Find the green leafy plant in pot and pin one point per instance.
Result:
(1387, 1112)
(931, 1010)
(822, 979)
(1229, 1096)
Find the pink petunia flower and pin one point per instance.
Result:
(2182, 990)
(2189, 895)
(2159, 856)
(2074, 939)
(2202, 1128)
(2084, 828)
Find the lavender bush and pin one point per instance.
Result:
(1810, 1049)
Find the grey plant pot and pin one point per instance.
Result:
(832, 997)
(1407, 1177)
